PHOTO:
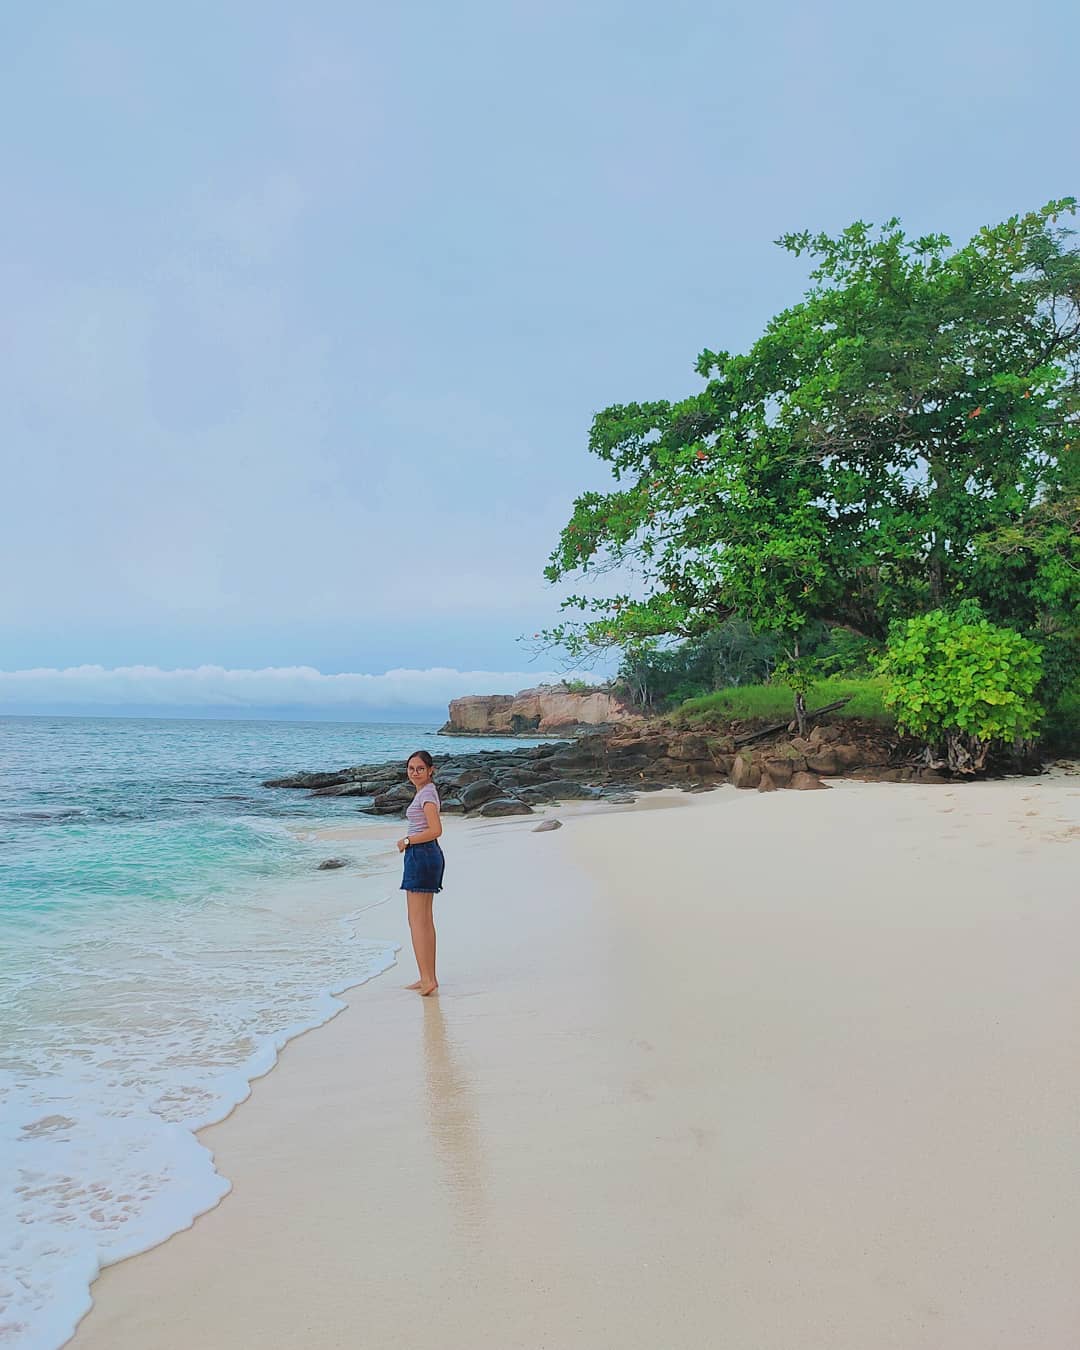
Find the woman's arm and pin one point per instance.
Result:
(434, 826)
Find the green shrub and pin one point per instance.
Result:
(962, 684)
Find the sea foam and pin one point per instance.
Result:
(119, 1042)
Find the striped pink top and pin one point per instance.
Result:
(414, 812)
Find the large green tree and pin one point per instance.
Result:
(901, 437)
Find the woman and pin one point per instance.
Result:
(424, 865)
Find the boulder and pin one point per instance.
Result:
(887, 775)
(393, 802)
(477, 714)
(823, 760)
(806, 782)
(515, 778)
(745, 772)
(506, 806)
(692, 747)
(559, 790)
(332, 864)
(451, 807)
(458, 778)
(546, 825)
(767, 783)
(848, 756)
(477, 793)
(778, 769)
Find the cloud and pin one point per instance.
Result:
(273, 687)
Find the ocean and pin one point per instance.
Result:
(165, 932)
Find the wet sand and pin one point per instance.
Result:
(795, 1070)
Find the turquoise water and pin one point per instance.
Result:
(166, 931)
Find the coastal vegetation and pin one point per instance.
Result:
(863, 699)
(888, 477)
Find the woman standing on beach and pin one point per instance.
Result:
(424, 865)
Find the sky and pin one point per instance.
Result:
(306, 310)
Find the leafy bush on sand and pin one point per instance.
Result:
(962, 684)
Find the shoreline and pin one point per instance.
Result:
(596, 1136)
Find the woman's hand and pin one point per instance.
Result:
(402, 845)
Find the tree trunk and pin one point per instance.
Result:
(800, 697)
(939, 490)
(965, 753)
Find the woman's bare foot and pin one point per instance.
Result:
(426, 989)
(415, 985)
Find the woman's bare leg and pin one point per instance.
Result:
(422, 928)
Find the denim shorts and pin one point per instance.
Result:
(424, 867)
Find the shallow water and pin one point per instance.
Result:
(165, 933)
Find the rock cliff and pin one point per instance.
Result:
(550, 709)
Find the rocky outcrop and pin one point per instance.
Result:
(549, 710)
(641, 757)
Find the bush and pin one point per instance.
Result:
(962, 684)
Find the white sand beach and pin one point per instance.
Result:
(749, 1071)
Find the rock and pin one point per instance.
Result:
(393, 802)
(847, 756)
(588, 753)
(886, 775)
(806, 782)
(506, 806)
(779, 770)
(546, 825)
(476, 714)
(347, 790)
(459, 778)
(691, 747)
(476, 794)
(548, 708)
(331, 864)
(312, 780)
(620, 798)
(767, 783)
(679, 768)
(451, 807)
(515, 778)
(823, 760)
(745, 772)
(559, 790)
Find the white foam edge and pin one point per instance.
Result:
(256, 1066)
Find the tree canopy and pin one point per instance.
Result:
(902, 437)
